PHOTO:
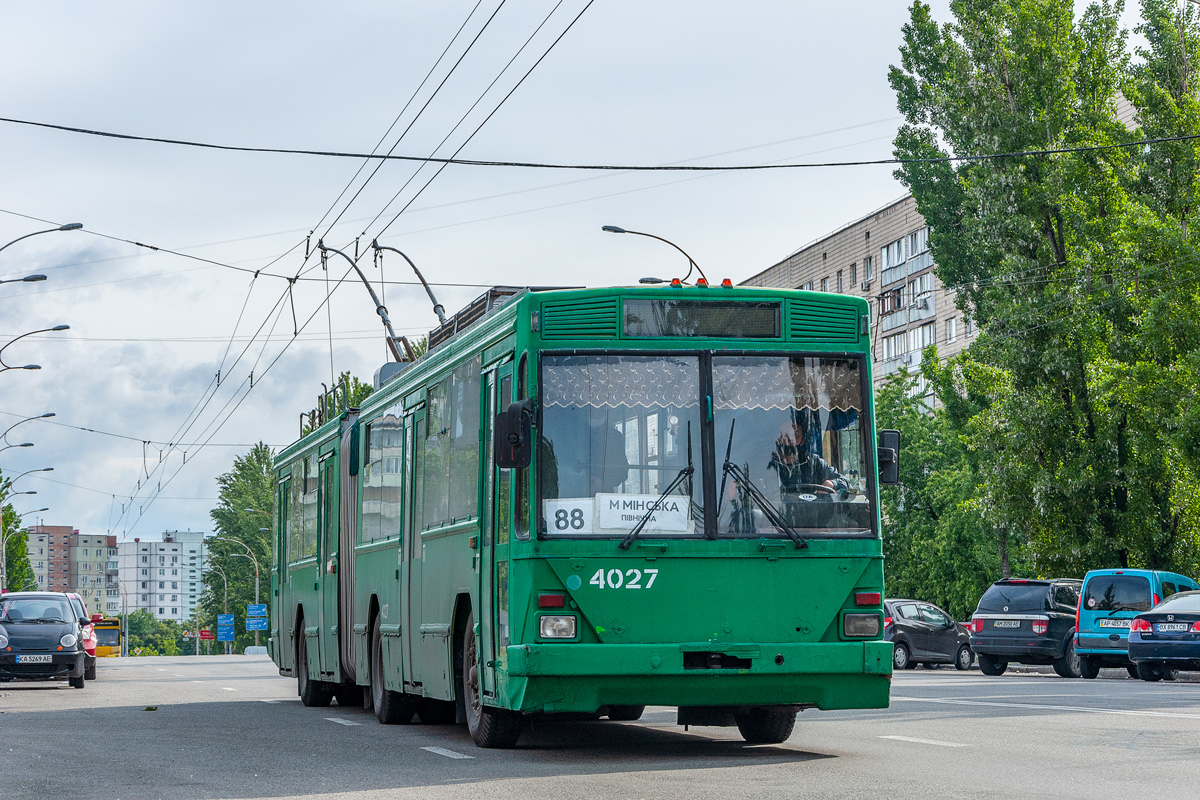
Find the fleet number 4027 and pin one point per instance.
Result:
(629, 579)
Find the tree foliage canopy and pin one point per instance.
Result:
(1074, 409)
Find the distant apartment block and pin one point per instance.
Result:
(885, 258)
(164, 578)
(65, 560)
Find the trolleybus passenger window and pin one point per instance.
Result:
(372, 483)
(789, 444)
(391, 438)
(452, 446)
(619, 431)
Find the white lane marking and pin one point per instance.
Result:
(925, 741)
(227, 689)
(441, 751)
(1036, 706)
(338, 720)
(268, 701)
(161, 669)
(197, 681)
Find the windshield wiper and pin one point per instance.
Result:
(768, 508)
(684, 474)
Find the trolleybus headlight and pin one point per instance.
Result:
(68, 640)
(860, 625)
(557, 626)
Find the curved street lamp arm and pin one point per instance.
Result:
(692, 264)
(4, 436)
(22, 336)
(380, 308)
(71, 226)
(438, 308)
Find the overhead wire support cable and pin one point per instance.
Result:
(473, 162)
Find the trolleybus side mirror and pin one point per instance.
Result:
(889, 457)
(513, 435)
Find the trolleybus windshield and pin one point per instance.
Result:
(617, 431)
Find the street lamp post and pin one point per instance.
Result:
(5, 367)
(70, 226)
(225, 578)
(692, 264)
(4, 436)
(26, 279)
(253, 560)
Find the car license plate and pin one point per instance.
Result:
(34, 659)
(1007, 623)
(1114, 623)
(1171, 627)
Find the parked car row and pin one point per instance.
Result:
(45, 635)
(1147, 621)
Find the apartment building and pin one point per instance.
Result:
(885, 258)
(164, 577)
(65, 560)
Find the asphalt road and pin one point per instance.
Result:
(229, 727)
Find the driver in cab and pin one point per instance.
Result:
(800, 470)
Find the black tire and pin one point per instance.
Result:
(1089, 667)
(437, 712)
(625, 713)
(1170, 674)
(77, 683)
(1068, 665)
(901, 658)
(1149, 671)
(931, 665)
(391, 708)
(963, 659)
(769, 725)
(992, 665)
(89, 672)
(489, 727)
(314, 694)
(1132, 670)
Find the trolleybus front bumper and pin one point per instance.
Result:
(583, 677)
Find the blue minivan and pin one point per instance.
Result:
(1108, 602)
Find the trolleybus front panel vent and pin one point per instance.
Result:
(820, 322)
(587, 319)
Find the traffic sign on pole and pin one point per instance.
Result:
(256, 623)
(224, 619)
(256, 610)
(225, 633)
(205, 633)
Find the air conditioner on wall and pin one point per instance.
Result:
(865, 286)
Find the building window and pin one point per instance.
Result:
(868, 268)
(839, 282)
(853, 275)
(890, 301)
(174, 610)
(162, 572)
(145, 585)
(808, 287)
(824, 284)
(894, 346)
(892, 255)
(160, 612)
(161, 585)
(952, 329)
(918, 242)
(145, 572)
(920, 338)
(968, 326)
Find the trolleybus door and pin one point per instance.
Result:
(410, 616)
(327, 574)
(487, 531)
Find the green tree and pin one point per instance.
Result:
(243, 514)
(1063, 260)
(19, 576)
(154, 637)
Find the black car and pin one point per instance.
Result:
(1166, 638)
(925, 634)
(40, 638)
(1029, 622)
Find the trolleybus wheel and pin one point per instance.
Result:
(391, 708)
(625, 713)
(489, 727)
(770, 725)
(347, 694)
(314, 694)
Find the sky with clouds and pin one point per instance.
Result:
(631, 82)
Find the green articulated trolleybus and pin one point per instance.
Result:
(588, 501)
